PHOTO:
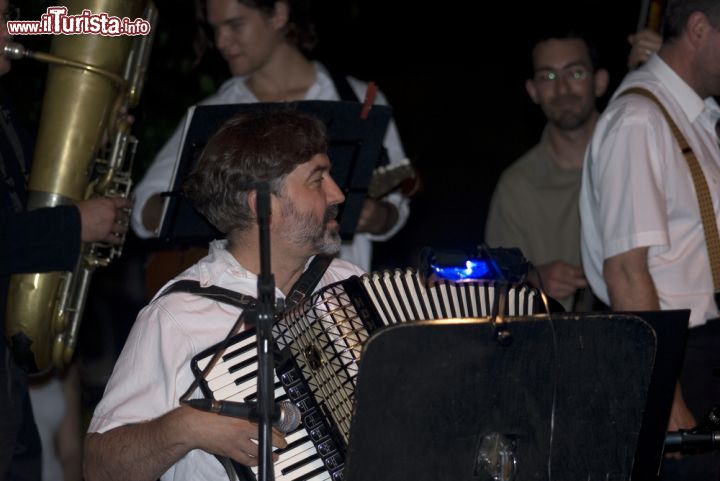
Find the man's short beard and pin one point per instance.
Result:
(572, 120)
(305, 230)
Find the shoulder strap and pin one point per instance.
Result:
(216, 293)
(305, 285)
(298, 293)
(707, 214)
(343, 87)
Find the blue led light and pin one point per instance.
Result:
(474, 269)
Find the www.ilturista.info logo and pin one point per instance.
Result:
(56, 21)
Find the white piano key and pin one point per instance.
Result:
(226, 378)
(202, 363)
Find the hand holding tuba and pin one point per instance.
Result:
(84, 149)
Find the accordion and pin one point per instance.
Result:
(319, 345)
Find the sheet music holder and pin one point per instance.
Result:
(443, 400)
(354, 148)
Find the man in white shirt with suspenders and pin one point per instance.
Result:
(644, 240)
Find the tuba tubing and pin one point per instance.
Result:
(92, 80)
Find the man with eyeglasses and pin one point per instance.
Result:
(535, 204)
(643, 236)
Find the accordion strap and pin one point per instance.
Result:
(216, 293)
(303, 287)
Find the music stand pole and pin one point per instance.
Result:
(264, 321)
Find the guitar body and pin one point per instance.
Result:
(400, 176)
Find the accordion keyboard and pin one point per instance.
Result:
(311, 454)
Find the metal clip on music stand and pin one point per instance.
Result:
(354, 147)
(566, 399)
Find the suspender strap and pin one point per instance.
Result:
(707, 214)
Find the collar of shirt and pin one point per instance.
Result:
(219, 261)
(690, 102)
(320, 89)
(211, 273)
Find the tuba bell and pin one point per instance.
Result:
(84, 148)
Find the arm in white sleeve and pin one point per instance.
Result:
(155, 181)
(395, 153)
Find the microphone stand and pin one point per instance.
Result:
(265, 314)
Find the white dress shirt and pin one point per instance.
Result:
(637, 190)
(153, 370)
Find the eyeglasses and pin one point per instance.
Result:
(572, 74)
(11, 13)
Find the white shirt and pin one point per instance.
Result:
(153, 370)
(637, 190)
(158, 176)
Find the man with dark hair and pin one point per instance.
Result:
(139, 431)
(265, 43)
(643, 238)
(534, 206)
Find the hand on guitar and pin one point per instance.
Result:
(377, 217)
(400, 176)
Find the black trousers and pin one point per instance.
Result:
(701, 390)
(20, 450)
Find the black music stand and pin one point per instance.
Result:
(444, 400)
(355, 146)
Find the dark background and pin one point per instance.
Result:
(453, 72)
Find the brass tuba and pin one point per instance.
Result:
(84, 148)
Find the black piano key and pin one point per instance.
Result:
(245, 378)
(253, 396)
(310, 475)
(292, 445)
(299, 464)
(237, 352)
(241, 365)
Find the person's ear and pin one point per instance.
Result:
(602, 79)
(281, 14)
(252, 202)
(532, 91)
